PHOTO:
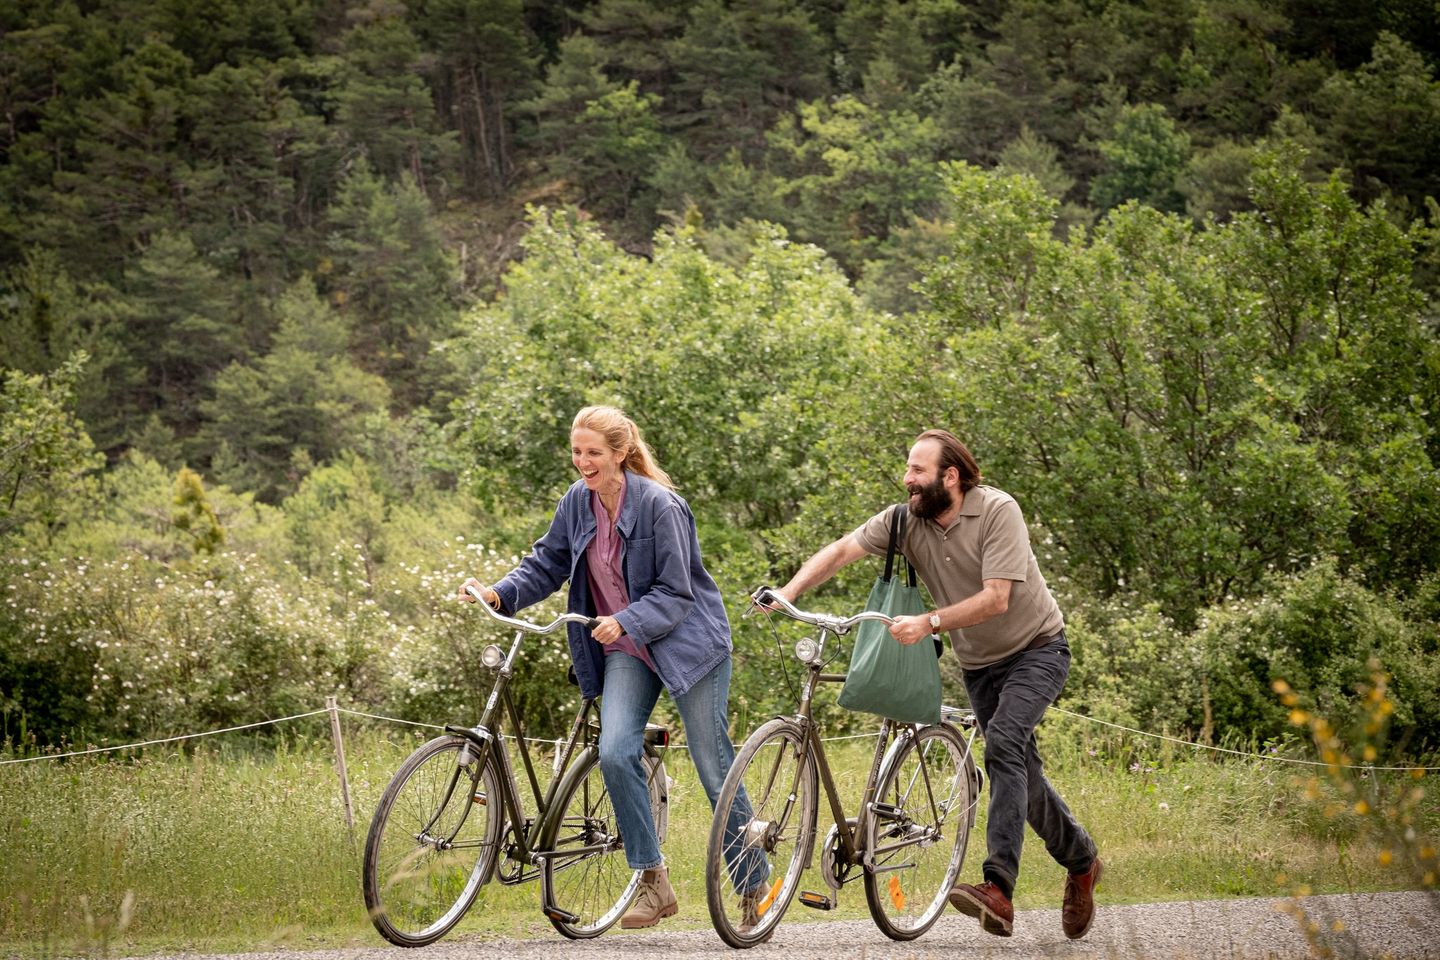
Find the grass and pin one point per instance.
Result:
(236, 847)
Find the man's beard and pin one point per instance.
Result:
(929, 501)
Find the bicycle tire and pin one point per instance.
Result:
(926, 797)
(772, 789)
(416, 891)
(586, 893)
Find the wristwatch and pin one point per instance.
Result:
(935, 622)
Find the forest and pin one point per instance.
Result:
(298, 298)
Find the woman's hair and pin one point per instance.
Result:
(955, 454)
(620, 433)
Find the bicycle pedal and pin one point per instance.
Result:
(816, 901)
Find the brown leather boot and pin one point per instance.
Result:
(1078, 908)
(653, 902)
(987, 902)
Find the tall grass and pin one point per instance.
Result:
(235, 845)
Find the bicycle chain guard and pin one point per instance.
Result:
(834, 870)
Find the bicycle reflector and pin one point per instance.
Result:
(492, 656)
(807, 650)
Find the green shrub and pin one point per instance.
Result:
(1318, 630)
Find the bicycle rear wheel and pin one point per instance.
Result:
(587, 883)
(918, 830)
(763, 832)
(432, 842)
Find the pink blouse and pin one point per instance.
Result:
(607, 578)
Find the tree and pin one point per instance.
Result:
(194, 516)
(250, 139)
(635, 37)
(304, 396)
(854, 172)
(728, 369)
(737, 68)
(46, 457)
(127, 182)
(1144, 157)
(46, 318)
(487, 65)
(181, 328)
(602, 137)
(336, 521)
(1385, 121)
(384, 107)
(391, 277)
(1187, 411)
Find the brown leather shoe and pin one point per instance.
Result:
(654, 901)
(1079, 905)
(988, 903)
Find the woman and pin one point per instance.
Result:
(627, 544)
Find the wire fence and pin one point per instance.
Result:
(674, 744)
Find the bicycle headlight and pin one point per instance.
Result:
(807, 650)
(492, 656)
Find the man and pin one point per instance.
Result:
(970, 546)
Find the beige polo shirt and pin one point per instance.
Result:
(987, 541)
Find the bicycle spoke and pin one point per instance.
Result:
(917, 837)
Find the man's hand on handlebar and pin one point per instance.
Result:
(491, 597)
(910, 630)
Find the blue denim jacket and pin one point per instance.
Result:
(675, 608)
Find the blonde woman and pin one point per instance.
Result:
(626, 542)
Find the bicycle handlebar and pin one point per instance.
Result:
(564, 618)
(767, 597)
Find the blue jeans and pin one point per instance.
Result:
(630, 691)
(1009, 698)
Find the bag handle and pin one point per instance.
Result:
(897, 531)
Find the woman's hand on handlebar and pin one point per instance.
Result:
(764, 598)
(491, 597)
(607, 630)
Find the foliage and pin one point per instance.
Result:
(1363, 803)
(722, 367)
(1163, 398)
(1320, 632)
(45, 454)
(1158, 263)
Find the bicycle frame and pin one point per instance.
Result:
(486, 736)
(815, 747)
(890, 731)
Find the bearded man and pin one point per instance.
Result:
(970, 546)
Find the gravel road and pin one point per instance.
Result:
(1403, 926)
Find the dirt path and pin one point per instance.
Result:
(1403, 926)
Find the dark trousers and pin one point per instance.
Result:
(1009, 698)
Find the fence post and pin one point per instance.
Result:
(334, 712)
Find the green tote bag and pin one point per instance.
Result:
(885, 676)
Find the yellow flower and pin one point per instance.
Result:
(1362, 808)
(1385, 858)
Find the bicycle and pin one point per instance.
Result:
(451, 819)
(920, 792)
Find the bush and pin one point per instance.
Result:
(1318, 630)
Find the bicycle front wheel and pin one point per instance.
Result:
(587, 883)
(432, 842)
(762, 835)
(918, 830)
